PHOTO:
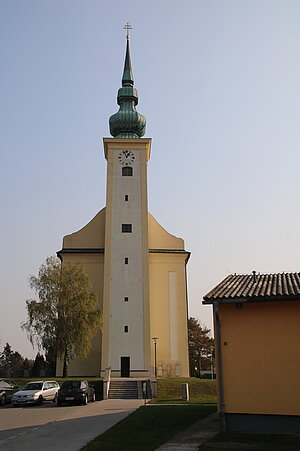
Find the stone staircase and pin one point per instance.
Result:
(125, 389)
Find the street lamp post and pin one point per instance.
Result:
(155, 355)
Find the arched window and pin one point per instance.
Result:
(127, 170)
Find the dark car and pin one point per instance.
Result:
(75, 391)
(7, 389)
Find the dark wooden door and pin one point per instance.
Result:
(125, 366)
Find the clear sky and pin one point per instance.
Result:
(219, 84)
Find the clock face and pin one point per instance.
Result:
(126, 157)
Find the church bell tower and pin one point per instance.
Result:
(126, 334)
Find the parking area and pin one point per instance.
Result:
(65, 428)
(15, 417)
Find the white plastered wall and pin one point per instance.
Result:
(126, 279)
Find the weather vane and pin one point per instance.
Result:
(127, 28)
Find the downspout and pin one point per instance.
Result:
(220, 369)
(187, 313)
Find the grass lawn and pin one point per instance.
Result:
(148, 427)
(201, 390)
(267, 442)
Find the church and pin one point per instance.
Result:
(137, 268)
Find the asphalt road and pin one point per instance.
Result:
(52, 428)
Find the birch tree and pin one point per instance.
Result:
(65, 314)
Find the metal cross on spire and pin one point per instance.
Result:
(127, 28)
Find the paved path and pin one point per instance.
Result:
(191, 438)
(67, 428)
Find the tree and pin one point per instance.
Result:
(66, 315)
(11, 362)
(17, 362)
(6, 358)
(27, 367)
(39, 365)
(50, 356)
(201, 347)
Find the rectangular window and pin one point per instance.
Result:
(126, 197)
(126, 260)
(126, 298)
(127, 171)
(125, 329)
(126, 228)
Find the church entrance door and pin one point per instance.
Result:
(125, 366)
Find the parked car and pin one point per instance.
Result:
(7, 389)
(36, 393)
(75, 391)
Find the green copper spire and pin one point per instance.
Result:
(127, 122)
(127, 79)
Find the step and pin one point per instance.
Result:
(123, 390)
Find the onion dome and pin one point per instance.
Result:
(127, 122)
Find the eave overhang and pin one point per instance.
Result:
(253, 300)
(102, 250)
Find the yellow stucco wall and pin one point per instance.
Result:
(161, 322)
(159, 238)
(261, 360)
(92, 236)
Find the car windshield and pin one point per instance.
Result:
(33, 386)
(70, 384)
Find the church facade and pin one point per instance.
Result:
(137, 269)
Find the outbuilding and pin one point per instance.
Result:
(257, 334)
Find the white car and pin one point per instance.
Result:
(36, 393)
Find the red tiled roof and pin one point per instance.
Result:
(255, 286)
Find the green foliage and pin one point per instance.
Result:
(39, 365)
(6, 360)
(148, 427)
(66, 315)
(27, 364)
(201, 348)
(11, 362)
(200, 390)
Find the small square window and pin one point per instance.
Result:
(126, 228)
(127, 171)
(125, 329)
(126, 197)
(126, 260)
(126, 298)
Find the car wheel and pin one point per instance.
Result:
(55, 398)
(2, 400)
(40, 401)
(85, 401)
(59, 403)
